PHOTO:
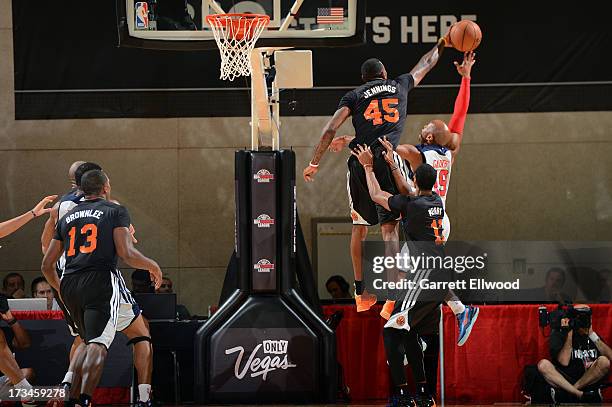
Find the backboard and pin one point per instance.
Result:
(181, 24)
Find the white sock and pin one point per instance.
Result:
(67, 378)
(456, 306)
(144, 392)
(24, 384)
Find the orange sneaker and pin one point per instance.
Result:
(387, 309)
(365, 301)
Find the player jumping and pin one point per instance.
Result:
(378, 108)
(439, 145)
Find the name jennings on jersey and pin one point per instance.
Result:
(375, 90)
(88, 213)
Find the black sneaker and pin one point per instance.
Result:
(401, 401)
(592, 396)
(423, 400)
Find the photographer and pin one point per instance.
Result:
(14, 376)
(580, 358)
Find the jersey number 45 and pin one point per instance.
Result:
(388, 105)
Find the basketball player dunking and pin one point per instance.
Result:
(378, 108)
(130, 320)
(439, 146)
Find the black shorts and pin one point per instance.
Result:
(93, 301)
(363, 210)
(418, 309)
(71, 326)
(573, 371)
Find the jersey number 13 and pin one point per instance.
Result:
(91, 233)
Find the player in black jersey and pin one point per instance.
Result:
(130, 320)
(92, 235)
(422, 214)
(378, 108)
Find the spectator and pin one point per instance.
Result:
(42, 289)
(14, 285)
(141, 282)
(580, 359)
(552, 291)
(338, 287)
(166, 288)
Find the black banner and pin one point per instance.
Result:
(530, 59)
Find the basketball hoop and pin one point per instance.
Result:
(236, 35)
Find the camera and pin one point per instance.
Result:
(578, 317)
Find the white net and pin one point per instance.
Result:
(236, 35)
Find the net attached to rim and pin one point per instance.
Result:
(236, 35)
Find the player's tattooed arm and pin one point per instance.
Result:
(326, 138)
(365, 157)
(429, 60)
(340, 142)
(52, 255)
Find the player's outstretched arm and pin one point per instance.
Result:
(326, 138)
(9, 226)
(49, 228)
(429, 60)
(52, 255)
(129, 254)
(462, 102)
(364, 155)
(402, 184)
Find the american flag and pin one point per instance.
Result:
(332, 15)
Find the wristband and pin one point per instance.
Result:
(594, 337)
(33, 214)
(313, 165)
(11, 322)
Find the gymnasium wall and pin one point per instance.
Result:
(531, 176)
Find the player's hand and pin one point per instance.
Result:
(564, 322)
(465, 68)
(337, 144)
(364, 155)
(18, 294)
(309, 173)
(388, 153)
(132, 232)
(40, 209)
(156, 277)
(6, 316)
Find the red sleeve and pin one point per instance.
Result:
(461, 107)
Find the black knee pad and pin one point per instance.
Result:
(137, 339)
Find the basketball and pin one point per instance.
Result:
(465, 36)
